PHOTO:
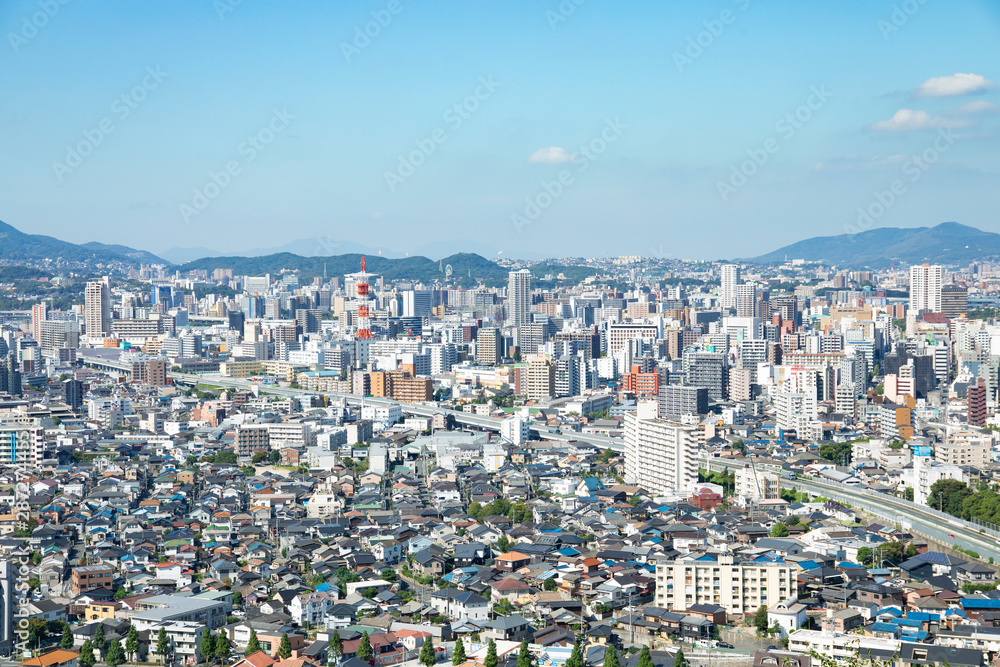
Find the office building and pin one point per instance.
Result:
(10, 375)
(661, 456)
(925, 287)
(97, 309)
(73, 394)
(954, 301)
(417, 303)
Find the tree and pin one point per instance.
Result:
(162, 644)
(491, 655)
(503, 544)
(132, 643)
(222, 647)
(576, 657)
(259, 457)
(337, 645)
(285, 647)
(369, 593)
(116, 654)
(86, 658)
(908, 493)
(274, 456)
(611, 657)
(253, 644)
(679, 659)
(760, 619)
(67, 638)
(226, 457)
(427, 655)
(779, 530)
(207, 646)
(100, 642)
(836, 452)
(550, 584)
(458, 654)
(524, 655)
(645, 659)
(864, 555)
(365, 650)
(388, 574)
(237, 599)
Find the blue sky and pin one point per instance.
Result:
(511, 170)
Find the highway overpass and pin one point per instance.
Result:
(929, 522)
(481, 422)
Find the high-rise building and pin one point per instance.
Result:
(518, 298)
(39, 313)
(10, 375)
(97, 308)
(416, 303)
(677, 400)
(489, 346)
(541, 379)
(746, 300)
(976, 395)
(925, 287)
(660, 456)
(73, 393)
(730, 274)
(954, 301)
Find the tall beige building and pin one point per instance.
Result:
(740, 587)
(541, 379)
(97, 308)
(488, 346)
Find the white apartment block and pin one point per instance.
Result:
(661, 456)
(925, 287)
(739, 587)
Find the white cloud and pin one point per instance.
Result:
(550, 155)
(908, 119)
(956, 84)
(979, 106)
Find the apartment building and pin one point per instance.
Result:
(660, 456)
(22, 444)
(738, 586)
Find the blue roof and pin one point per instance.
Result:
(895, 611)
(847, 564)
(568, 551)
(923, 616)
(933, 557)
(909, 622)
(977, 603)
(884, 627)
(808, 564)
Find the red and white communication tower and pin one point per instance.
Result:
(364, 315)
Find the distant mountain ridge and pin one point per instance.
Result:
(466, 268)
(15, 245)
(947, 243)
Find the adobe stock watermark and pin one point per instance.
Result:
(562, 13)
(364, 34)
(121, 108)
(913, 169)
(786, 127)
(223, 7)
(900, 16)
(248, 150)
(454, 117)
(697, 44)
(550, 191)
(31, 24)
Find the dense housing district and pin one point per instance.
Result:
(625, 461)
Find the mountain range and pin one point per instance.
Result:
(15, 245)
(948, 243)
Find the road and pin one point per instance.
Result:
(416, 409)
(929, 522)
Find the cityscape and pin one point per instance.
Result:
(556, 334)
